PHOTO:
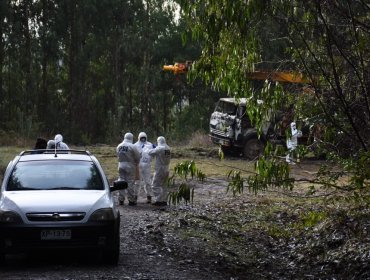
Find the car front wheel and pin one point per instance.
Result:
(111, 254)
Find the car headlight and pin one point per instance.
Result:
(10, 217)
(102, 215)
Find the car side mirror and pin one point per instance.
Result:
(118, 185)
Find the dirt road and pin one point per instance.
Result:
(144, 255)
(272, 235)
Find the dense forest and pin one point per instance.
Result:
(92, 70)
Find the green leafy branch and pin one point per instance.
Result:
(186, 172)
(350, 179)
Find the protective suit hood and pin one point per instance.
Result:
(50, 144)
(141, 135)
(58, 138)
(128, 137)
(161, 141)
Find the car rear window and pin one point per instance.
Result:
(54, 175)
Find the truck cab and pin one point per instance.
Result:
(231, 128)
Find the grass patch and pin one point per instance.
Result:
(312, 218)
(200, 139)
(7, 154)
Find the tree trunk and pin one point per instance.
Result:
(1, 59)
(164, 113)
(43, 96)
(29, 93)
(145, 93)
(73, 114)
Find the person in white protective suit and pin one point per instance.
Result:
(60, 145)
(50, 145)
(292, 142)
(162, 156)
(145, 166)
(128, 159)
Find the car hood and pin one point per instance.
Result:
(55, 201)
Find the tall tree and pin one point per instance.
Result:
(4, 6)
(87, 69)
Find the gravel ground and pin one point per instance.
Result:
(219, 237)
(144, 255)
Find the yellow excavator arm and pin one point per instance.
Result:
(178, 67)
(289, 77)
(279, 76)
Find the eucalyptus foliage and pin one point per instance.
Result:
(327, 41)
(180, 183)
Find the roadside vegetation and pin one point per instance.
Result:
(276, 233)
(92, 79)
(276, 236)
(326, 41)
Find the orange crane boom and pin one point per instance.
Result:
(178, 67)
(279, 76)
(290, 77)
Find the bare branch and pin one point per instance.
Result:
(341, 96)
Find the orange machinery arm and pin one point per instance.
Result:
(290, 77)
(178, 67)
(279, 76)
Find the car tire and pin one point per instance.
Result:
(253, 148)
(111, 255)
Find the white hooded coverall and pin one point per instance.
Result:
(50, 144)
(145, 166)
(60, 145)
(162, 156)
(128, 158)
(292, 142)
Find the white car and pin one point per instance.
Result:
(54, 199)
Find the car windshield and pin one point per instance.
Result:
(55, 175)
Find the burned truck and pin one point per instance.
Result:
(231, 128)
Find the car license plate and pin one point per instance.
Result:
(56, 234)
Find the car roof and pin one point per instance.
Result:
(55, 155)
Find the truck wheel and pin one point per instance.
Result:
(226, 150)
(253, 148)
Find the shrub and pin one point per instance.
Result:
(200, 139)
